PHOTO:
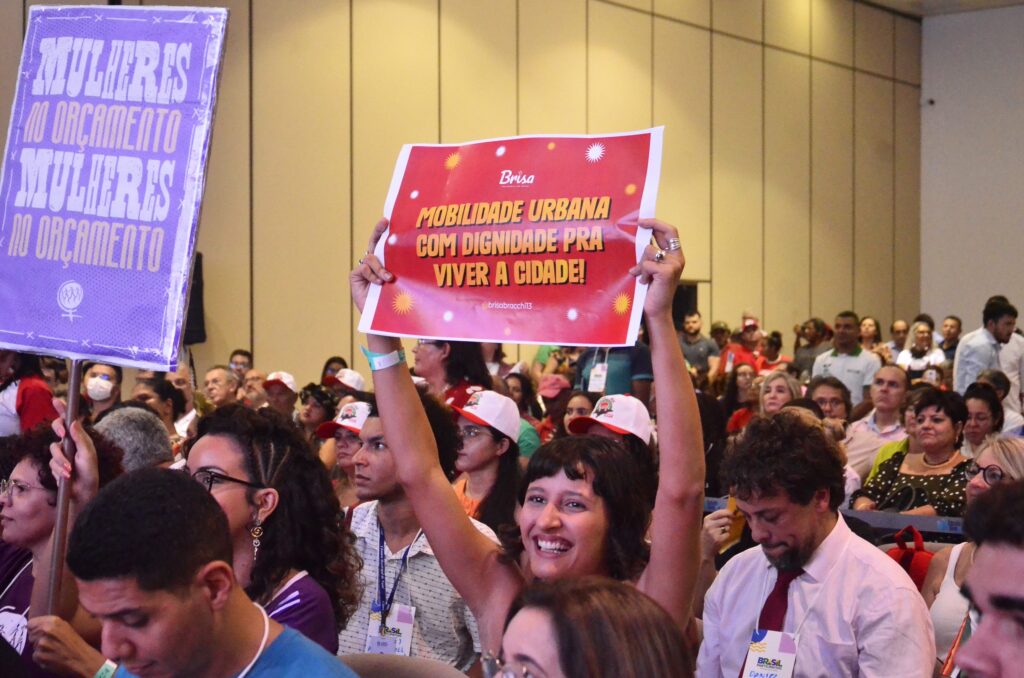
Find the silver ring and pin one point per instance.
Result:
(725, 530)
(673, 245)
(362, 260)
(659, 256)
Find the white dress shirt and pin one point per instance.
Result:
(1011, 362)
(854, 612)
(977, 351)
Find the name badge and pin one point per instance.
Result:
(598, 377)
(396, 636)
(771, 655)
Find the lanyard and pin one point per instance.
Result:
(386, 600)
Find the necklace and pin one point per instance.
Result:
(263, 643)
(924, 460)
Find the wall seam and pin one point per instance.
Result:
(764, 168)
(252, 193)
(711, 163)
(853, 175)
(351, 171)
(810, 162)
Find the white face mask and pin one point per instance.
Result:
(99, 388)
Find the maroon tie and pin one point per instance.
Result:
(773, 614)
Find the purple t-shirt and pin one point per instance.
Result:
(15, 597)
(305, 606)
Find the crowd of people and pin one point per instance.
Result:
(471, 514)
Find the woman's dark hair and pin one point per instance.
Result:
(465, 362)
(615, 475)
(878, 328)
(327, 363)
(165, 391)
(560, 431)
(774, 340)
(607, 628)
(25, 365)
(35, 445)
(986, 394)
(529, 404)
(784, 453)
(324, 397)
(305, 531)
(950, 403)
(499, 506)
(731, 398)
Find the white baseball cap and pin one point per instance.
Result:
(490, 408)
(619, 413)
(346, 377)
(283, 378)
(351, 418)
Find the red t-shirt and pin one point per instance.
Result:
(739, 355)
(34, 403)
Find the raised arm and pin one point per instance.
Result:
(469, 559)
(671, 575)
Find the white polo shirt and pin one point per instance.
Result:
(856, 370)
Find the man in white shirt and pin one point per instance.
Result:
(847, 361)
(850, 609)
(993, 523)
(426, 617)
(1011, 363)
(979, 350)
(882, 425)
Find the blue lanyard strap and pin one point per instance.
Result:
(387, 600)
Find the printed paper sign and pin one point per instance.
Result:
(525, 239)
(102, 179)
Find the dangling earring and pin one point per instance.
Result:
(256, 531)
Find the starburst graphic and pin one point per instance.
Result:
(551, 145)
(630, 189)
(595, 152)
(572, 314)
(499, 151)
(402, 303)
(621, 304)
(452, 161)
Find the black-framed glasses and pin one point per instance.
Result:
(991, 474)
(209, 479)
(14, 488)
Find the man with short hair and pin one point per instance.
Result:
(832, 396)
(220, 386)
(282, 393)
(847, 608)
(252, 388)
(151, 555)
(240, 362)
(743, 352)
(102, 385)
(847, 361)
(951, 328)
(899, 330)
(810, 343)
(993, 523)
(700, 351)
(402, 580)
(979, 350)
(720, 334)
(882, 425)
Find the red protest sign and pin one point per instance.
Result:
(526, 239)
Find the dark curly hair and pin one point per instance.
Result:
(35, 446)
(784, 453)
(615, 475)
(305, 531)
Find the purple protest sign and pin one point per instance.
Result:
(102, 180)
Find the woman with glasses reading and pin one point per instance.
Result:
(579, 513)
(997, 461)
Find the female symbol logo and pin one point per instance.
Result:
(69, 298)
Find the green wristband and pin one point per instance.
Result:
(108, 670)
(382, 361)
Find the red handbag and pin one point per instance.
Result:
(914, 560)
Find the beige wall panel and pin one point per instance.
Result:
(907, 58)
(406, 71)
(619, 69)
(832, 30)
(642, 5)
(787, 198)
(693, 11)
(831, 189)
(873, 33)
(224, 227)
(301, 198)
(552, 67)
(873, 193)
(478, 69)
(704, 305)
(736, 179)
(907, 203)
(12, 20)
(682, 102)
(742, 18)
(787, 24)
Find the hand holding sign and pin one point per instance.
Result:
(660, 271)
(369, 271)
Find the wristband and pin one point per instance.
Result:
(107, 670)
(382, 361)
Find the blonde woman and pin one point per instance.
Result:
(777, 389)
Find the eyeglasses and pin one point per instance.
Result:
(16, 488)
(470, 432)
(421, 342)
(991, 474)
(208, 479)
(493, 667)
